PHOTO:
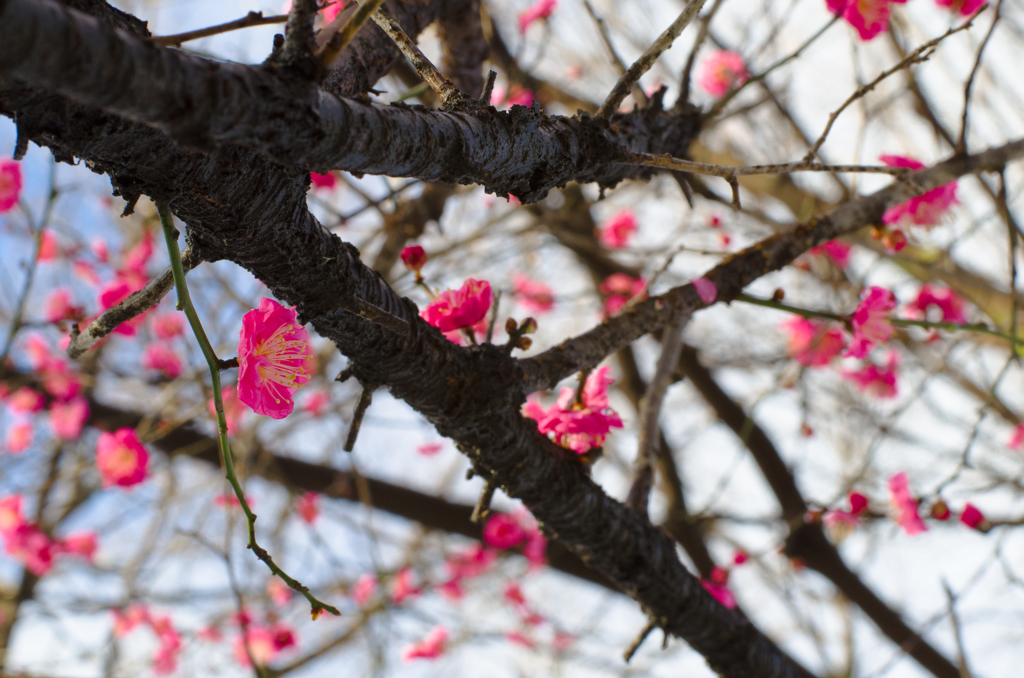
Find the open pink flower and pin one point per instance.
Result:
(877, 381)
(618, 230)
(836, 250)
(10, 184)
(401, 587)
(502, 531)
(364, 589)
(25, 401)
(578, 426)
(541, 9)
(870, 321)
(19, 437)
(946, 300)
(454, 309)
(964, 7)
(619, 288)
(163, 358)
(924, 210)
(722, 71)
(869, 17)
(470, 562)
(30, 545)
(1016, 440)
(274, 359)
(58, 306)
(326, 181)
(168, 325)
(121, 458)
(906, 505)
(813, 343)
(858, 504)
(81, 544)
(67, 418)
(308, 507)
(536, 297)
(431, 647)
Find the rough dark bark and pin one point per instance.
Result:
(462, 38)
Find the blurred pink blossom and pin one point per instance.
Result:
(870, 321)
(616, 232)
(308, 507)
(67, 418)
(327, 181)
(536, 297)
(168, 325)
(869, 17)
(946, 300)
(401, 587)
(121, 458)
(618, 289)
(58, 306)
(836, 250)
(924, 210)
(706, 289)
(25, 401)
(813, 343)
(964, 7)
(162, 357)
(1016, 440)
(721, 71)
(880, 382)
(502, 531)
(365, 589)
(971, 516)
(430, 449)
(431, 647)
(10, 184)
(316, 402)
(541, 9)
(19, 437)
(906, 506)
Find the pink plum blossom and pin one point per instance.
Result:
(455, 309)
(618, 289)
(279, 592)
(869, 17)
(858, 505)
(81, 544)
(25, 401)
(48, 247)
(121, 458)
(264, 642)
(274, 359)
(167, 325)
(86, 271)
(880, 382)
(964, 7)
(578, 426)
(1016, 440)
(365, 589)
(722, 71)
(317, 402)
(431, 647)
(326, 181)
(308, 507)
(870, 321)
(924, 210)
(906, 506)
(836, 250)
(946, 300)
(67, 418)
(163, 358)
(813, 343)
(19, 437)
(971, 516)
(471, 562)
(401, 587)
(38, 350)
(58, 306)
(29, 545)
(59, 380)
(535, 297)
(126, 621)
(11, 513)
(618, 230)
(717, 586)
(100, 250)
(10, 184)
(502, 531)
(414, 258)
(517, 638)
(541, 9)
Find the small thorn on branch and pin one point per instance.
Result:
(485, 97)
(357, 417)
(345, 374)
(734, 184)
(638, 641)
(483, 504)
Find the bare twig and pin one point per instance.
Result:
(638, 641)
(250, 19)
(442, 86)
(485, 96)
(702, 34)
(620, 66)
(729, 173)
(365, 398)
(647, 59)
(958, 634)
(134, 305)
(650, 408)
(919, 55)
(483, 504)
(961, 144)
(332, 48)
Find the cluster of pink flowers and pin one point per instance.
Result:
(948, 303)
(580, 425)
(516, 95)
(264, 641)
(10, 184)
(454, 309)
(616, 232)
(535, 297)
(129, 277)
(33, 548)
(836, 250)
(722, 71)
(925, 210)
(504, 531)
(274, 359)
(465, 565)
(165, 659)
(813, 343)
(618, 289)
(858, 505)
(431, 647)
(121, 458)
(541, 9)
(907, 509)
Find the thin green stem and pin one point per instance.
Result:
(216, 364)
(899, 322)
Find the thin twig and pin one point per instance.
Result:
(919, 55)
(133, 305)
(250, 19)
(483, 504)
(702, 35)
(650, 409)
(365, 398)
(647, 59)
(332, 48)
(638, 641)
(1011, 229)
(620, 66)
(442, 86)
(957, 630)
(185, 304)
(729, 173)
(485, 96)
(961, 144)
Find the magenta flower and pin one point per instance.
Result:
(26, 401)
(813, 343)
(121, 459)
(163, 358)
(58, 306)
(308, 507)
(327, 181)
(502, 531)
(431, 647)
(578, 426)
(964, 7)
(81, 544)
(67, 419)
(519, 96)
(541, 9)
(971, 516)
(536, 297)
(870, 321)
(946, 300)
(877, 381)
(401, 587)
(906, 505)
(619, 288)
(455, 309)
(925, 210)
(317, 402)
(869, 17)
(19, 437)
(722, 71)
(274, 359)
(1016, 440)
(836, 250)
(858, 505)
(617, 231)
(10, 184)
(167, 325)
(414, 258)
(30, 545)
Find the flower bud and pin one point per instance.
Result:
(524, 343)
(511, 325)
(529, 326)
(414, 257)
